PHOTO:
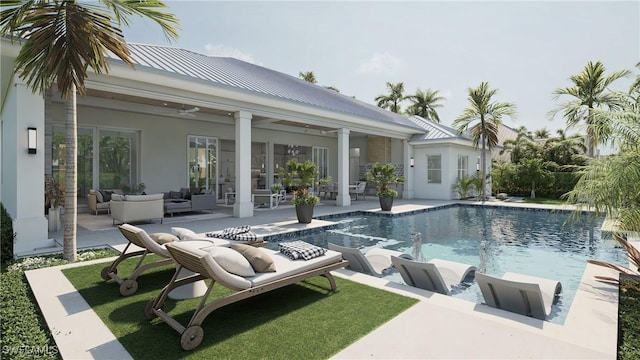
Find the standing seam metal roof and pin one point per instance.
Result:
(238, 74)
(435, 131)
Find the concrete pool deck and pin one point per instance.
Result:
(437, 327)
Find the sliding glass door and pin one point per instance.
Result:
(203, 163)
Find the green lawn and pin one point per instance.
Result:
(548, 201)
(301, 321)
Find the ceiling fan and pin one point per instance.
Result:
(184, 111)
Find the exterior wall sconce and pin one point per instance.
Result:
(32, 140)
(478, 164)
(411, 162)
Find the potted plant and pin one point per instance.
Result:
(300, 176)
(384, 175)
(54, 199)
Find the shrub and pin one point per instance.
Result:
(7, 236)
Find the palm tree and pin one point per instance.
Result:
(541, 133)
(482, 119)
(308, 76)
(62, 39)
(590, 91)
(393, 100)
(565, 150)
(425, 103)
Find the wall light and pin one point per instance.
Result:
(411, 162)
(478, 164)
(32, 140)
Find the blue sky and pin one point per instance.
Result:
(523, 49)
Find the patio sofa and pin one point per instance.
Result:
(129, 208)
(186, 201)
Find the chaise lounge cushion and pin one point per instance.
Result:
(163, 238)
(183, 234)
(232, 261)
(257, 257)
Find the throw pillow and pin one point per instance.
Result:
(99, 197)
(183, 234)
(257, 257)
(106, 195)
(184, 192)
(163, 238)
(174, 194)
(232, 261)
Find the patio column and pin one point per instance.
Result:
(243, 206)
(409, 172)
(343, 198)
(22, 188)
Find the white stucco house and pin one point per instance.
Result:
(183, 119)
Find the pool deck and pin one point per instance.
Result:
(437, 327)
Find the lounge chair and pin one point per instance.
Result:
(522, 294)
(209, 265)
(437, 275)
(375, 262)
(358, 190)
(138, 237)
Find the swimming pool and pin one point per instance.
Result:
(495, 239)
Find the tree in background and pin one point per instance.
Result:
(393, 100)
(590, 91)
(541, 134)
(482, 119)
(63, 39)
(425, 103)
(308, 76)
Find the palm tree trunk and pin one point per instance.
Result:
(71, 183)
(483, 156)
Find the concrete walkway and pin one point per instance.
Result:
(437, 327)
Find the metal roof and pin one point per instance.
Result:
(230, 72)
(435, 131)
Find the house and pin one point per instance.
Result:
(440, 157)
(183, 119)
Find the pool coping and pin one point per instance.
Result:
(589, 331)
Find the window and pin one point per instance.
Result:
(434, 169)
(463, 166)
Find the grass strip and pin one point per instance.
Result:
(301, 321)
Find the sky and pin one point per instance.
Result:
(525, 50)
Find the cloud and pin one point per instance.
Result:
(226, 51)
(382, 63)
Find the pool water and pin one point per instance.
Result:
(540, 243)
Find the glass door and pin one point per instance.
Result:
(321, 159)
(202, 163)
(84, 162)
(118, 159)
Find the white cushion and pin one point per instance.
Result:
(183, 234)
(232, 261)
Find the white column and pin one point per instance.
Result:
(343, 198)
(409, 172)
(22, 191)
(243, 206)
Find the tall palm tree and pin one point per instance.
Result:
(482, 119)
(393, 100)
(308, 76)
(590, 91)
(62, 40)
(425, 103)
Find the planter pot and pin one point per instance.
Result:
(54, 219)
(304, 213)
(386, 203)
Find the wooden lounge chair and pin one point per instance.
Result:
(526, 295)
(374, 262)
(203, 264)
(143, 245)
(437, 275)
